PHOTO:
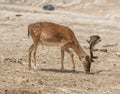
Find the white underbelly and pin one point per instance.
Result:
(49, 43)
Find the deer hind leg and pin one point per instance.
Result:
(30, 52)
(35, 49)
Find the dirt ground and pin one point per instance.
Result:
(86, 18)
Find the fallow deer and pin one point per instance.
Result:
(51, 34)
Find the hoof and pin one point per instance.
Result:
(87, 72)
(62, 68)
(73, 70)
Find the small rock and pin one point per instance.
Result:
(27, 80)
(6, 91)
(18, 15)
(48, 7)
(33, 84)
(7, 17)
(44, 62)
(114, 64)
(35, 11)
(117, 54)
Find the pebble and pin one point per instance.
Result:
(117, 54)
(48, 7)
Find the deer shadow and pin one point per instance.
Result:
(65, 71)
(71, 71)
(60, 71)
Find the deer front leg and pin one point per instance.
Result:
(62, 58)
(65, 45)
(71, 54)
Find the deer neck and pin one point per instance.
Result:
(79, 51)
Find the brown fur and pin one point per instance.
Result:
(47, 33)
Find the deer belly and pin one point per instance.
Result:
(48, 43)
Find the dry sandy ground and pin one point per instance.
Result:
(85, 20)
